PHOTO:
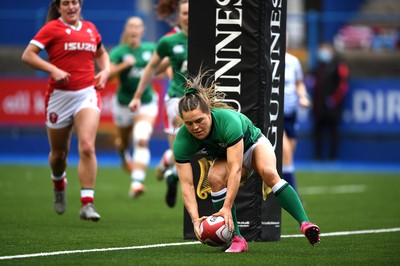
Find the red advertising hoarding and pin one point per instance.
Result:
(22, 102)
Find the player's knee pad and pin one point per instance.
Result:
(141, 155)
(142, 131)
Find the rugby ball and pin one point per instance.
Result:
(214, 232)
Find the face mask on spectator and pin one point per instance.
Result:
(324, 55)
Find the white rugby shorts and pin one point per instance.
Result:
(124, 117)
(170, 112)
(62, 106)
(248, 155)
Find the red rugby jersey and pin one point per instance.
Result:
(72, 49)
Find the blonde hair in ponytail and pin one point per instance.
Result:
(206, 96)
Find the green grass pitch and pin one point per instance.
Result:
(337, 202)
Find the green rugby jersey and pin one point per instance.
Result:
(175, 47)
(129, 78)
(228, 128)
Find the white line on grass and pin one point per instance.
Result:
(45, 254)
(346, 189)
(346, 233)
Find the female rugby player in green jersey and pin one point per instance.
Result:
(237, 148)
(128, 60)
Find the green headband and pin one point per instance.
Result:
(189, 91)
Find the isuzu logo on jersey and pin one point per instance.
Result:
(80, 46)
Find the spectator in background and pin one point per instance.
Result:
(128, 61)
(72, 97)
(295, 95)
(329, 91)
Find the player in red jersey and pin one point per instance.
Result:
(72, 98)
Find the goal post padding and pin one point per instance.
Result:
(242, 43)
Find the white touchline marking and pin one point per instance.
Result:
(44, 254)
(346, 233)
(345, 189)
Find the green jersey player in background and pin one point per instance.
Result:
(237, 148)
(128, 61)
(173, 48)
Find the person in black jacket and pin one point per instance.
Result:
(329, 91)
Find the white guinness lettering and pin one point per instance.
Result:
(275, 54)
(228, 51)
(73, 46)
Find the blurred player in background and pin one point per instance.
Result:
(295, 95)
(72, 98)
(173, 47)
(128, 61)
(237, 148)
(166, 10)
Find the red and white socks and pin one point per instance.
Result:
(87, 196)
(59, 182)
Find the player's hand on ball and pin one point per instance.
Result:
(196, 227)
(227, 215)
